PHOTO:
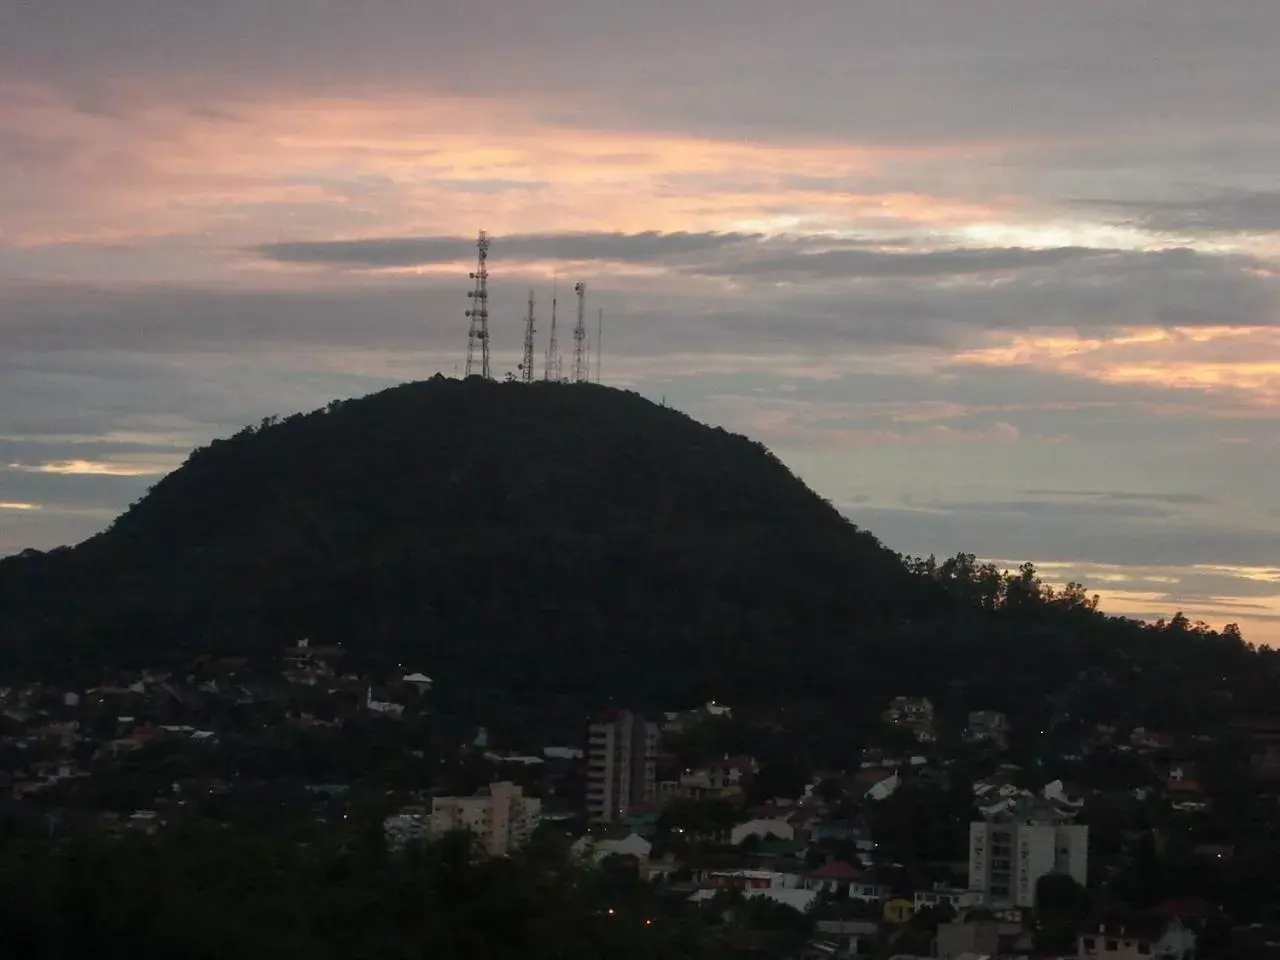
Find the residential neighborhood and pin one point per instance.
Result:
(934, 843)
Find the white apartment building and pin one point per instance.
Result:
(621, 765)
(1011, 851)
(502, 818)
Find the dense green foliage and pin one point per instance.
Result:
(555, 547)
(217, 893)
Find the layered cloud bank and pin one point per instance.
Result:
(997, 276)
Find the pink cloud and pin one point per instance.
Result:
(1237, 366)
(315, 169)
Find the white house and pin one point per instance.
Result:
(942, 895)
(1059, 794)
(856, 883)
(884, 788)
(597, 849)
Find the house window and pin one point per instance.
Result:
(1144, 949)
(1090, 944)
(1112, 946)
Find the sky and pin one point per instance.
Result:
(997, 276)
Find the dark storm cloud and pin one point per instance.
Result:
(757, 67)
(744, 255)
(885, 308)
(838, 264)
(649, 247)
(1239, 212)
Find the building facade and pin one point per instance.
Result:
(1011, 851)
(503, 818)
(621, 765)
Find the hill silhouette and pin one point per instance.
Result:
(544, 544)
(534, 538)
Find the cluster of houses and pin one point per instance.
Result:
(856, 906)
(54, 739)
(799, 852)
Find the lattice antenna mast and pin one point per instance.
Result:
(526, 365)
(581, 374)
(551, 366)
(478, 336)
(599, 341)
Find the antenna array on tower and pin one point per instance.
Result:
(551, 367)
(526, 364)
(479, 312)
(581, 374)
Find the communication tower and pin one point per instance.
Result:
(581, 374)
(478, 336)
(551, 367)
(526, 365)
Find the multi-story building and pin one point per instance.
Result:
(1010, 851)
(502, 817)
(621, 766)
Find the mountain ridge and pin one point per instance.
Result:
(576, 508)
(573, 544)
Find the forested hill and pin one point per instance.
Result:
(545, 537)
(575, 543)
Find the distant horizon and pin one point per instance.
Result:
(999, 277)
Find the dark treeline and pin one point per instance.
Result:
(204, 891)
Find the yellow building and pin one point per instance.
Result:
(898, 910)
(502, 818)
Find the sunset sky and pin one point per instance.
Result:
(991, 275)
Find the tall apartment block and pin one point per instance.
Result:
(1010, 852)
(501, 817)
(621, 751)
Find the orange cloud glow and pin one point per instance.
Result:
(1146, 592)
(325, 168)
(94, 468)
(1235, 362)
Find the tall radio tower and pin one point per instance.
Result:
(479, 312)
(580, 372)
(551, 366)
(526, 365)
